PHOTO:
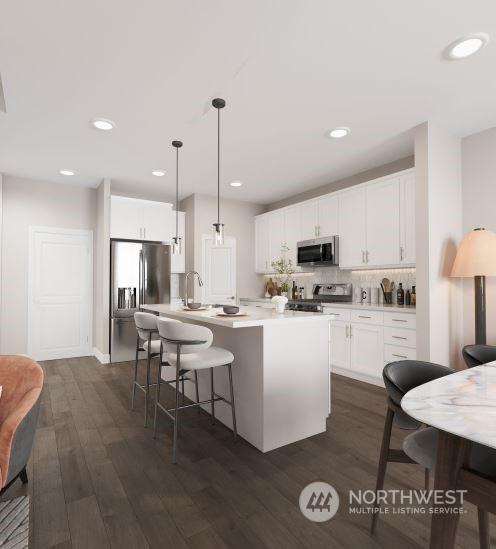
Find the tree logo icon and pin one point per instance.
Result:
(319, 501)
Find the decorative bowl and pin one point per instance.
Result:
(230, 309)
(194, 305)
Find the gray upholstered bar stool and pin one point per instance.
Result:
(477, 355)
(147, 340)
(188, 348)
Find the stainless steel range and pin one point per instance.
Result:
(323, 293)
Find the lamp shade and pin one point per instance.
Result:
(476, 255)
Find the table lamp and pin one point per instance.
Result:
(476, 257)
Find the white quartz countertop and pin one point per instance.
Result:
(255, 316)
(463, 404)
(357, 306)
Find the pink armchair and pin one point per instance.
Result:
(22, 381)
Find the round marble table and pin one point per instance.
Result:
(463, 407)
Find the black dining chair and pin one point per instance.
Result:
(399, 378)
(476, 355)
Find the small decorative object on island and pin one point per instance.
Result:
(284, 270)
(280, 303)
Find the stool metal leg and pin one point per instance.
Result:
(212, 394)
(148, 365)
(157, 394)
(235, 432)
(135, 372)
(197, 391)
(176, 412)
(182, 390)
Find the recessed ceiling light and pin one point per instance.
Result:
(158, 173)
(466, 46)
(236, 183)
(337, 133)
(103, 124)
(66, 172)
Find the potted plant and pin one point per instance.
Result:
(284, 270)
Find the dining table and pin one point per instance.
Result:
(462, 406)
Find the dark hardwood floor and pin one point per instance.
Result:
(98, 479)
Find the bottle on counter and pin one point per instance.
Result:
(294, 291)
(408, 298)
(400, 295)
(302, 292)
(413, 297)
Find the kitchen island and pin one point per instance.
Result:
(281, 371)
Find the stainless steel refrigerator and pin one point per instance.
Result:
(139, 274)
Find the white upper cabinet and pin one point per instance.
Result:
(135, 219)
(292, 231)
(328, 218)
(262, 263)
(277, 238)
(407, 219)
(352, 228)
(178, 261)
(383, 223)
(309, 212)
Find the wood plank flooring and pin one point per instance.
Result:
(98, 479)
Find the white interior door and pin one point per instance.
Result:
(219, 271)
(60, 293)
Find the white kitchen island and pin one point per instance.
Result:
(281, 371)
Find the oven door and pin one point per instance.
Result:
(309, 254)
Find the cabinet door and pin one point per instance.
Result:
(352, 228)
(262, 244)
(178, 262)
(383, 223)
(340, 344)
(367, 349)
(328, 216)
(292, 232)
(407, 219)
(309, 220)
(276, 236)
(156, 221)
(126, 218)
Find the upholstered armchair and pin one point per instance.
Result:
(22, 380)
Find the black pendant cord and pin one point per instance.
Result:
(218, 166)
(177, 191)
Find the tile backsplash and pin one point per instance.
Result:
(366, 278)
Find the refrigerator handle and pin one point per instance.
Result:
(140, 292)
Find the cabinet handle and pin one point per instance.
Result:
(398, 320)
(363, 256)
(351, 335)
(401, 253)
(399, 337)
(347, 333)
(399, 356)
(360, 316)
(367, 256)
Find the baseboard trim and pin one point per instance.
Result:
(358, 376)
(103, 359)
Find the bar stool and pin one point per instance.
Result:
(188, 347)
(147, 332)
(399, 377)
(477, 355)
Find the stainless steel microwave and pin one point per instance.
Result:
(319, 252)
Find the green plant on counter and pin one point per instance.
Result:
(284, 269)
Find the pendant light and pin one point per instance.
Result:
(218, 228)
(176, 240)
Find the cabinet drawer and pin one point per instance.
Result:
(367, 317)
(400, 320)
(393, 353)
(400, 337)
(341, 314)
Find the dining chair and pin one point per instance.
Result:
(399, 377)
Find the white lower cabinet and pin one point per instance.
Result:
(362, 341)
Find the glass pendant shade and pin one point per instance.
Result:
(176, 245)
(218, 234)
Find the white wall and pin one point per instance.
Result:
(27, 202)
(479, 200)
(439, 230)
(238, 219)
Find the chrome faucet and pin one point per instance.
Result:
(200, 282)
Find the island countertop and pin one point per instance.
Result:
(255, 316)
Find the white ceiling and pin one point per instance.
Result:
(289, 69)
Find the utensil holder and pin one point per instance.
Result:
(388, 297)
